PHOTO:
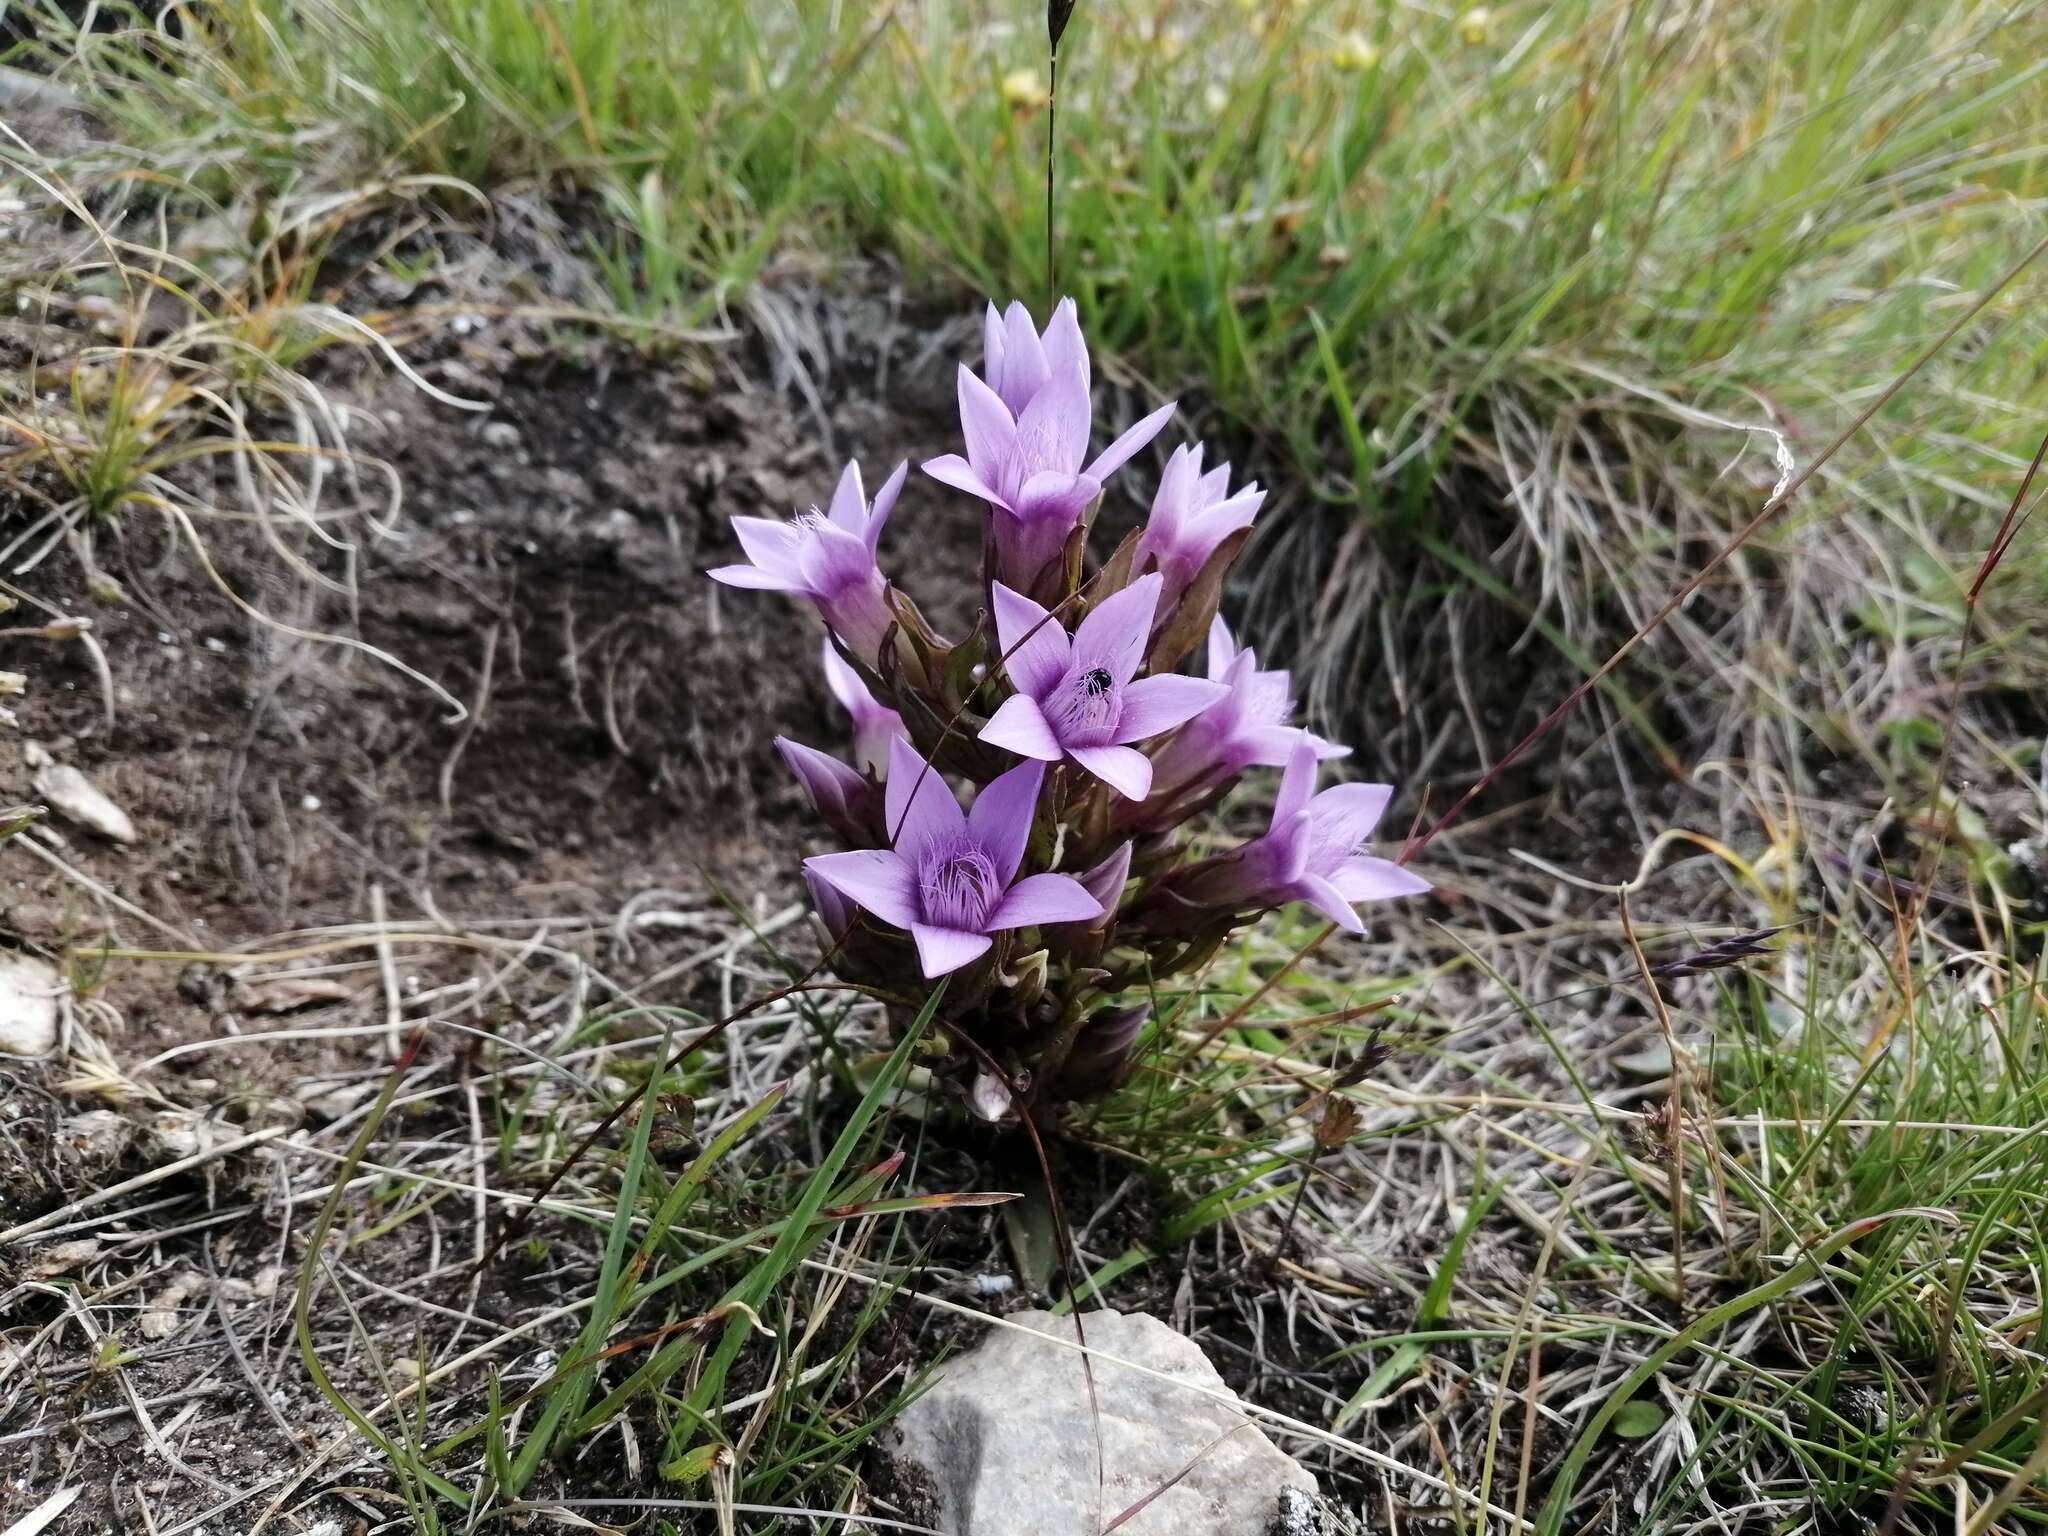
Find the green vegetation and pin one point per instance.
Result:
(1513, 287)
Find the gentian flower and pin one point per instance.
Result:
(1310, 852)
(833, 909)
(1027, 429)
(844, 798)
(874, 723)
(1192, 514)
(1247, 726)
(951, 880)
(1075, 696)
(828, 557)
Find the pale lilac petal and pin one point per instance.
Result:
(1329, 901)
(1065, 351)
(1223, 519)
(1118, 453)
(1052, 495)
(1123, 769)
(1215, 485)
(1174, 498)
(1024, 369)
(1326, 751)
(944, 950)
(1345, 814)
(951, 469)
(1000, 819)
(1156, 704)
(992, 347)
(753, 577)
(833, 560)
(771, 545)
(849, 509)
(1365, 878)
(1053, 431)
(829, 782)
(918, 804)
(1020, 726)
(885, 503)
(1272, 746)
(1044, 899)
(1035, 646)
(1288, 848)
(1106, 881)
(1222, 650)
(1114, 634)
(987, 425)
(1297, 784)
(845, 683)
(873, 878)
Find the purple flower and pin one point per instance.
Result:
(1191, 515)
(1310, 852)
(843, 798)
(828, 557)
(951, 880)
(874, 723)
(1247, 726)
(1075, 697)
(1027, 430)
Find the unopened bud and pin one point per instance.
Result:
(12, 685)
(70, 627)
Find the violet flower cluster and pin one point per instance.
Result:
(1068, 881)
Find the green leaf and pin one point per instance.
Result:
(1637, 1419)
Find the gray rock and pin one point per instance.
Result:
(1005, 1439)
(28, 1005)
(77, 799)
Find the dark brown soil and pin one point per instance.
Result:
(547, 572)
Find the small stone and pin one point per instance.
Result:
(77, 799)
(29, 989)
(500, 434)
(1006, 1440)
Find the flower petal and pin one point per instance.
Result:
(771, 545)
(942, 950)
(829, 782)
(1035, 645)
(1123, 769)
(833, 560)
(1297, 785)
(918, 803)
(1044, 899)
(1329, 901)
(1052, 495)
(753, 577)
(986, 424)
(1020, 726)
(951, 469)
(1000, 819)
(1222, 650)
(849, 509)
(1345, 814)
(1155, 704)
(1053, 431)
(873, 878)
(1114, 634)
(1065, 351)
(885, 503)
(1024, 370)
(1105, 882)
(1365, 878)
(1118, 453)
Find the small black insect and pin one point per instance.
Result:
(1096, 681)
